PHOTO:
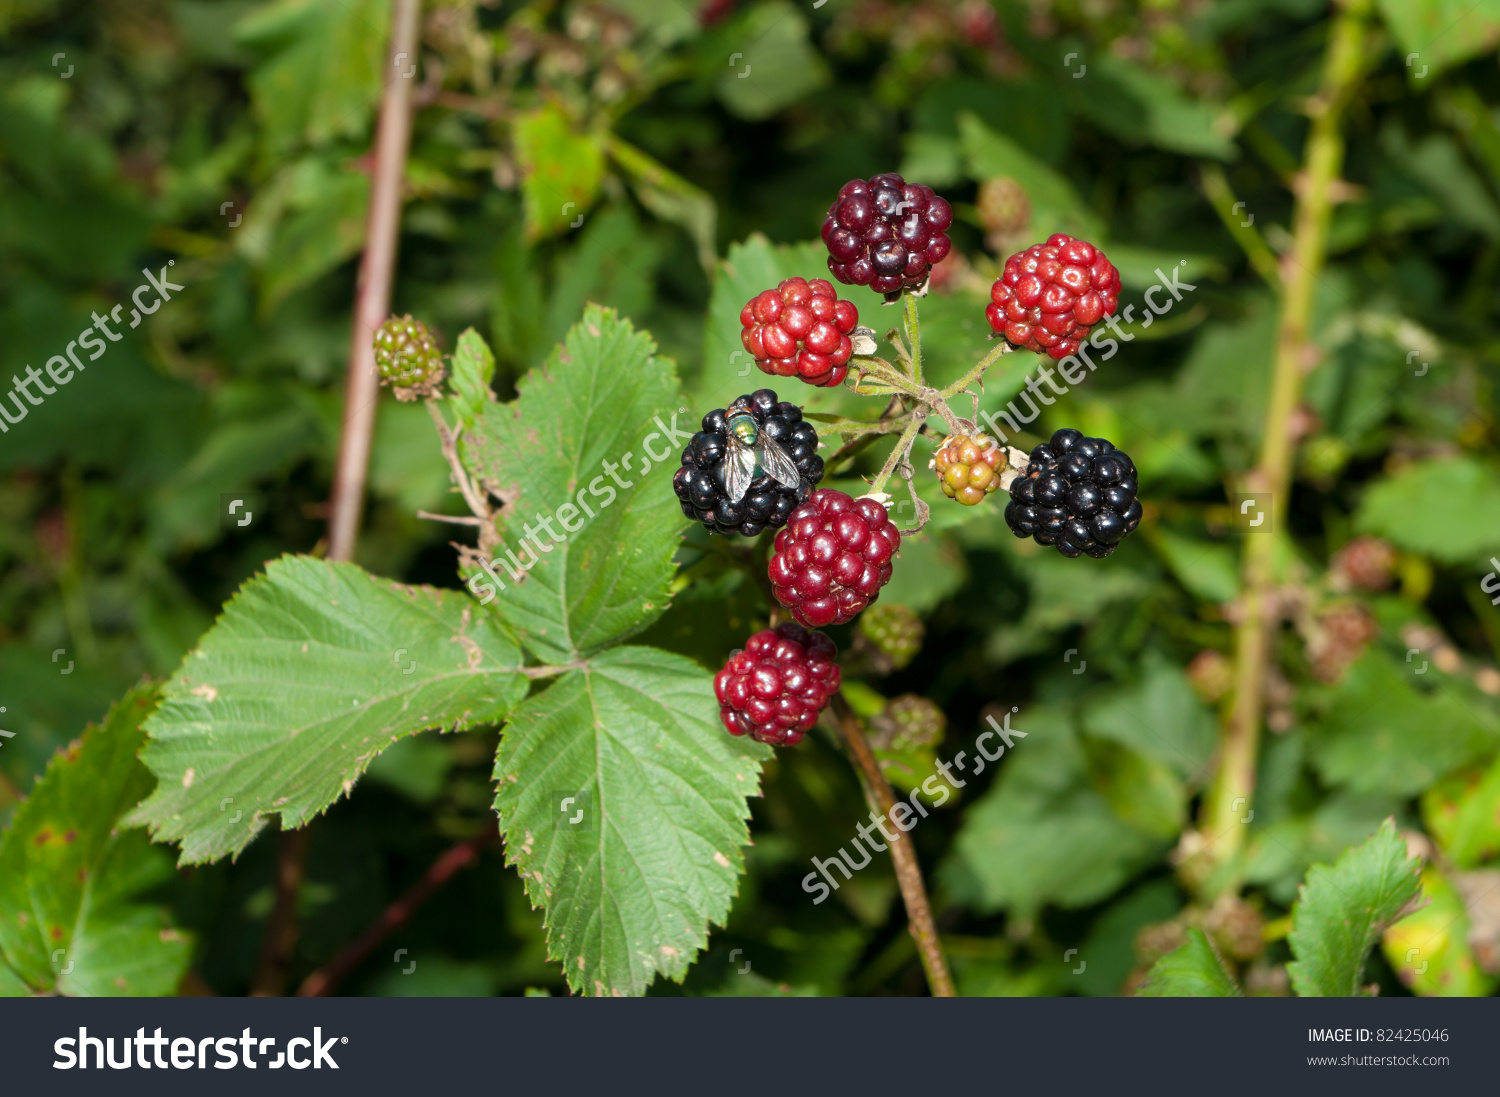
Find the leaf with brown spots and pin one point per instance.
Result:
(69, 920)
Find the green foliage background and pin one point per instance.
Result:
(231, 137)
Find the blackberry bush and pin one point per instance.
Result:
(1077, 494)
(701, 484)
(886, 233)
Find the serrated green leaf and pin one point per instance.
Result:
(69, 921)
(634, 739)
(473, 369)
(1193, 970)
(312, 670)
(1384, 735)
(581, 445)
(560, 170)
(1342, 910)
(1459, 503)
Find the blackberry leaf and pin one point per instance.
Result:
(313, 669)
(631, 888)
(1193, 970)
(1342, 910)
(69, 922)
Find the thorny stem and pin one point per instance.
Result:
(1228, 800)
(903, 856)
(913, 336)
(372, 299)
(898, 453)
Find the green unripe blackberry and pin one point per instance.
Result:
(408, 358)
(894, 630)
(915, 722)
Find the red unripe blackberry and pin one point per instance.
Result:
(833, 557)
(1077, 494)
(774, 688)
(885, 233)
(1051, 294)
(1365, 563)
(800, 329)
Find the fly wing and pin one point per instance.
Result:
(775, 461)
(739, 469)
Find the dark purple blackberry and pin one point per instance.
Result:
(886, 233)
(1077, 494)
(699, 483)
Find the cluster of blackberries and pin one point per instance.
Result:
(700, 482)
(886, 233)
(1077, 494)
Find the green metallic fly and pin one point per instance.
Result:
(751, 452)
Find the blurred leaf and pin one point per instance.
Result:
(1208, 569)
(405, 465)
(416, 766)
(313, 669)
(1142, 108)
(323, 72)
(928, 570)
(612, 264)
(585, 423)
(631, 891)
(671, 197)
(1429, 949)
(1160, 717)
(771, 64)
(69, 919)
(1028, 112)
(560, 170)
(436, 977)
(1139, 788)
(1194, 970)
(1278, 855)
(1041, 834)
(1441, 168)
(1463, 813)
(1441, 33)
(1383, 735)
(1055, 206)
(1109, 949)
(1342, 910)
(1458, 499)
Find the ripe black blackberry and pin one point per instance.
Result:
(1077, 494)
(700, 483)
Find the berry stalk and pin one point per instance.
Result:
(1230, 795)
(903, 856)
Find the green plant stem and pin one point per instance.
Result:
(903, 444)
(1001, 348)
(903, 856)
(1230, 794)
(1221, 197)
(913, 326)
